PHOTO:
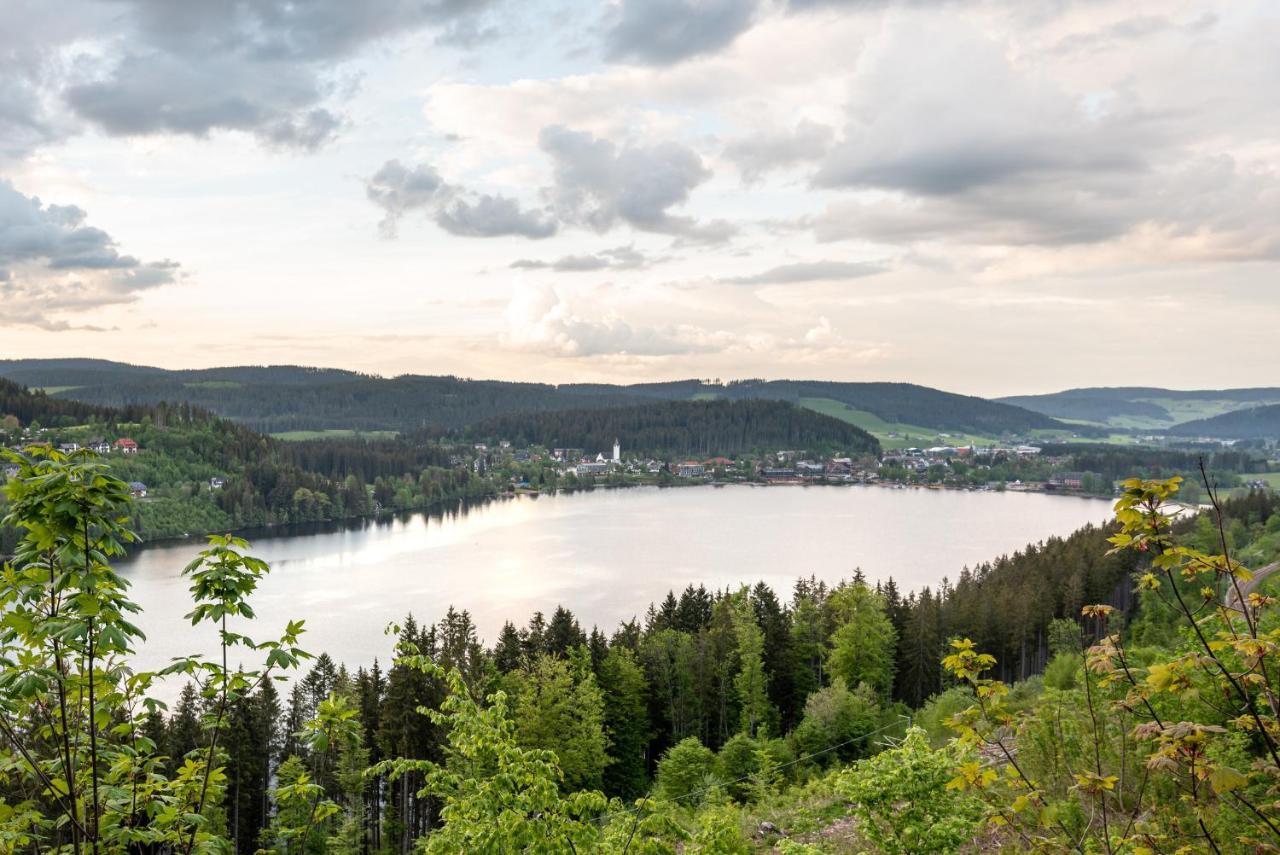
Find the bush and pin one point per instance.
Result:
(902, 800)
(739, 758)
(683, 772)
(835, 716)
(1063, 671)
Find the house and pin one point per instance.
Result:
(775, 474)
(216, 483)
(69, 447)
(138, 489)
(718, 462)
(124, 445)
(592, 469)
(691, 469)
(11, 472)
(100, 446)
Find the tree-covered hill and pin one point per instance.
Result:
(205, 473)
(682, 428)
(1143, 407)
(1251, 423)
(274, 399)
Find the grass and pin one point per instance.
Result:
(335, 433)
(906, 435)
(54, 390)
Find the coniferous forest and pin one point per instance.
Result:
(1096, 675)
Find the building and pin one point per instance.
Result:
(617, 451)
(691, 469)
(592, 469)
(100, 446)
(138, 489)
(216, 483)
(124, 445)
(10, 472)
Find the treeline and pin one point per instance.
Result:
(1249, 423)
(699, 428)
(281, 398)
(704, 685)
(205, 473)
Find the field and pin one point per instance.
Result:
(892, 434)
(336, 433)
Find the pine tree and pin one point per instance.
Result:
(560, 709)
(756, 714)
(626, 723)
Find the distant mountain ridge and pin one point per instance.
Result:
(1145, 407)
(283, 398)
(1250, 423)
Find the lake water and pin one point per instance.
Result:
(605, 554)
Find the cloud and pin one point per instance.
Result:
(812, 271)
(662, 32)
(618, 258)
(540, 320)
(265, 68)
(598, 185)
(762, 152)
(53, 264)
(987, 123)
(399, 190)
(492, 216)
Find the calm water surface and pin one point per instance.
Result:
(605, 554)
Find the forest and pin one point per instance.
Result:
(273, 399)
(1252, 423)
(699, 728)
(682, 428)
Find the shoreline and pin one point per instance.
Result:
(440, 509)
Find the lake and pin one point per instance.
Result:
(605, 554)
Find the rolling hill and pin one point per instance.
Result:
(1251, 423)
(1144, 408)
(278, 399)
(682, 427)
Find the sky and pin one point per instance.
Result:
(987, 196)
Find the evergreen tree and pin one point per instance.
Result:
(864, 643)
(626, 723)
(563, 633)
(757, 715)
(508, 653)
(560, 709)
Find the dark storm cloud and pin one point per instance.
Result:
(662, 32)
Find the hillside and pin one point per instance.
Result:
(276, 399)
(1252, 423)
(184, 451)
(683, 428)
(1143, 408)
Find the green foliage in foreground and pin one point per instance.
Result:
(1172, 745)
